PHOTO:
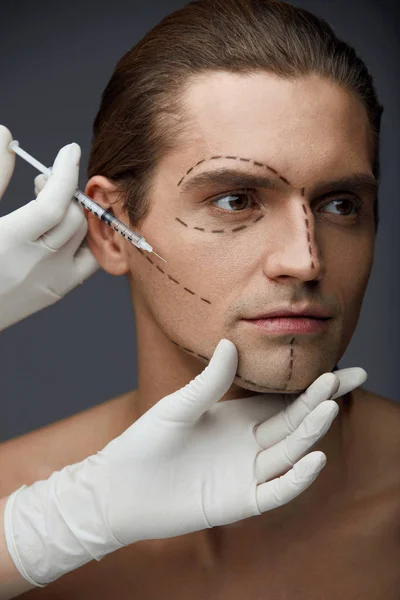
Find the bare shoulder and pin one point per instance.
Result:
(378, 413)
(376, 421)
(37, 454)
(373, 440)
(372, 456)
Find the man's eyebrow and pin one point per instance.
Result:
(235, 178)
(357, 182)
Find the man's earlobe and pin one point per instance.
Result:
(108, 246)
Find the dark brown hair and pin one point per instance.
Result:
(140, 115)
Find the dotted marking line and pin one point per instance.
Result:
(191, 351)
(189, 291)
(262, 387)
(203, 230)
(291, 358)
(308, 233)
(257, 164)
(239, 158)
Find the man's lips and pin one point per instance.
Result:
(314, 312)
(305, 320)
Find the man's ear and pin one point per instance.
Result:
(108, 246)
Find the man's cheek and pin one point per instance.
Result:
(172, 280)
(351, 302)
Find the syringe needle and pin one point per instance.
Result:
(159, 256)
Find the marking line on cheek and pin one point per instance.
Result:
(172, 279)
(257, 164)
(189, 291)
(203, 230)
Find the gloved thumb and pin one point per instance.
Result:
(198, 396)
(7, 159)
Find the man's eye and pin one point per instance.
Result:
(234, 202)
(344, 206)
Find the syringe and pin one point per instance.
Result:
(136, 239)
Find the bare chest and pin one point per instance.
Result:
(343, 561)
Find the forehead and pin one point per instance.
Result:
(306, 125)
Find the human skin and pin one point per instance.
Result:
(340, 538)
(306, 242)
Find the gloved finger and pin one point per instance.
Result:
(283, 489)
(326, 386)
(76, 240)
(52, 202)
(349, 379)
(74, 221)
(282, 456)
(190, 402)
(85, 263)
(7, 159)
(39, 182)
(276, 428)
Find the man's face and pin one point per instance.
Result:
(253, 215)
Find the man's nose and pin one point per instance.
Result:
(292, 250)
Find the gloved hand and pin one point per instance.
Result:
(187, 464)
(42, 257)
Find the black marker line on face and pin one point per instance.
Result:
(234, 230)
(241, 228)
(256, 163)
(307, 230)
(203, 230)
(238, 376)
(186, 289)
(291, 358)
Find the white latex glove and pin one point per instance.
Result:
(42, 257)
(187, 464)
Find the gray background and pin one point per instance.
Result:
(55, 59)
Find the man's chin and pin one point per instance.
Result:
(264, 388)
(282, 371)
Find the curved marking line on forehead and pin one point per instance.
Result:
(256, 163)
